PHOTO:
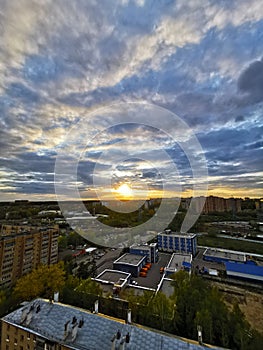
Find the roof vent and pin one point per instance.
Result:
(66, 329)
(74, 332)
(38, 308)
(81, 323)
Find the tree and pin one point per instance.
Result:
(89, 286)
(43, 281)
(162, 307)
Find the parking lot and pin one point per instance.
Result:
(154, 276)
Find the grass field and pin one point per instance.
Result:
(232, 244)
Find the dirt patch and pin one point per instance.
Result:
(250, 303)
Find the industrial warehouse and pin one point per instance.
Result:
(151, 266)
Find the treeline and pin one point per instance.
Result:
(193, 303)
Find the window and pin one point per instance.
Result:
(28, 336)
(7, 338)
(7, 347)
(21, 348)
(15, 341)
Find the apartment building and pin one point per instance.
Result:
(218, 204)
(23, 248)
(41, 325)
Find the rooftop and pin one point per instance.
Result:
(167, 287)
(177, 260)
(225, 254)
(112, 276)
(177, 234)
(87, 331)
(249, 269)
(130, 259)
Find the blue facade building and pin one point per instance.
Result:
(130, 263)
(169, 241)
(247, 271)
(149, 250)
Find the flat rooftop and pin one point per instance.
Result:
(177, 234)
(96, 331)
(177, 260)
(130, 259)
(225, 254)
(141, 247)
(112, 276)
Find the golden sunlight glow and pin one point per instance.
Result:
(125, 192)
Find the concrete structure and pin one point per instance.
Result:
(179, 262)
(113, 280)
(223, 255)
(150, 250)
(23, 248)
(43, 325)
(130, 263)
(248, 271)
(169, 241)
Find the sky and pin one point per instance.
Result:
(165, 96)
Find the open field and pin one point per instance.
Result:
(232, 244)
(250, 303)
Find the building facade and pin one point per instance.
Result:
(150, 250)
(23, 248)
(169, 241)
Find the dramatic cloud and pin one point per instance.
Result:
(62, 61)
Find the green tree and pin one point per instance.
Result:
(89, 286)
(43, 281)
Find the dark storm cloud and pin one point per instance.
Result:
(29, 161)
(251, 80)
(233, 151)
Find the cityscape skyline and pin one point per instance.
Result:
(131, 89)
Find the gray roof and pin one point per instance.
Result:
(177, 234)
(225, 254)
(96, 332)
(177, 260)
(130, 259)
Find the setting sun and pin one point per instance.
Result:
(125, 192)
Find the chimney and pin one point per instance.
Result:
(129, 317)
(74, 332)
(96, 307)
(56, 297)
(66, 329)
(29, 318)
(123, 343)
(24, 315)
(116, 337)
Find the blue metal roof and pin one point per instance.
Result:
(248, 269)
